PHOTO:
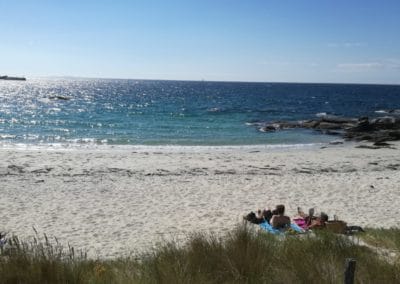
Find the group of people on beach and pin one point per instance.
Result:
(278, 220)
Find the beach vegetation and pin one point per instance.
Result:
(244, 255)
(387, 238)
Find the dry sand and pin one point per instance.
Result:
(112, 202)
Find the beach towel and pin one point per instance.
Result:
(3, 240)
(268, 228)
(301, 222)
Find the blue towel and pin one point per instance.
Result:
(267, 227)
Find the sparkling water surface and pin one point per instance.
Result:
(142, 112)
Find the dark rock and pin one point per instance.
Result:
(268, 128)
(349, 135)
(330, 132)
(349, 125)
(377, 130)
(338, 119)
(394, 111)
(382, 144)
(363, 125)
(368, 147)
(364, 137)
(290, 124)
(395, 134)
(271, 127)
(310, 123)
(329, 125)
(386, 122)
(336, 142)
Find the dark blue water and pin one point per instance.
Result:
(78, 111)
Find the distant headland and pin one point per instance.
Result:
(12, 78)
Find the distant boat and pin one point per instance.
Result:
(12, 78)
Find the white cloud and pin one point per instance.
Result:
(369, 66)
(393, 63)
(346, 44)
(360, 67)
(289, 63)
(276, 63)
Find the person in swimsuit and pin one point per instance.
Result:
(280, 220)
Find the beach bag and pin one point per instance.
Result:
(336, 226)
(251, 217)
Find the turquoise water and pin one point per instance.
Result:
(139, 112)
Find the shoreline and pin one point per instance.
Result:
(92, 147)
(118, 201)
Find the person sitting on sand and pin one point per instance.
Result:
(280, 220)
(319, 222)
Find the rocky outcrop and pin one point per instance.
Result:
(377, 130)
(386, 122)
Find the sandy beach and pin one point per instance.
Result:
(116, 201)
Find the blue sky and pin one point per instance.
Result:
(251, 40)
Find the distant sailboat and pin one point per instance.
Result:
(12, 78)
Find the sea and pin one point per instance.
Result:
(93, 113)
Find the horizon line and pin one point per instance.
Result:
(212, 81)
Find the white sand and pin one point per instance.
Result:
(115, 201)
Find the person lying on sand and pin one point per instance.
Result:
(310, 221)
(319, 222)
(302, 219)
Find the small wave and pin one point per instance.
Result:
(7, 136)
(103, 146)
(254, 123)
(53, 110)
(390, 111)
(222, 148)
(321, 114)
(31, 137)
(214, 109)
(93, 141)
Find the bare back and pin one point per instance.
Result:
(280, 221)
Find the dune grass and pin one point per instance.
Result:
(242, 256)
(388, 238)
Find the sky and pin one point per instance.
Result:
(338, 41)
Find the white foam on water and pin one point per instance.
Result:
(92, 145)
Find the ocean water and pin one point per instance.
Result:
(93, 112)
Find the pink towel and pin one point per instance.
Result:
(301, 223)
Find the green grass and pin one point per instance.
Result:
(242, 256)
(387, 238)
